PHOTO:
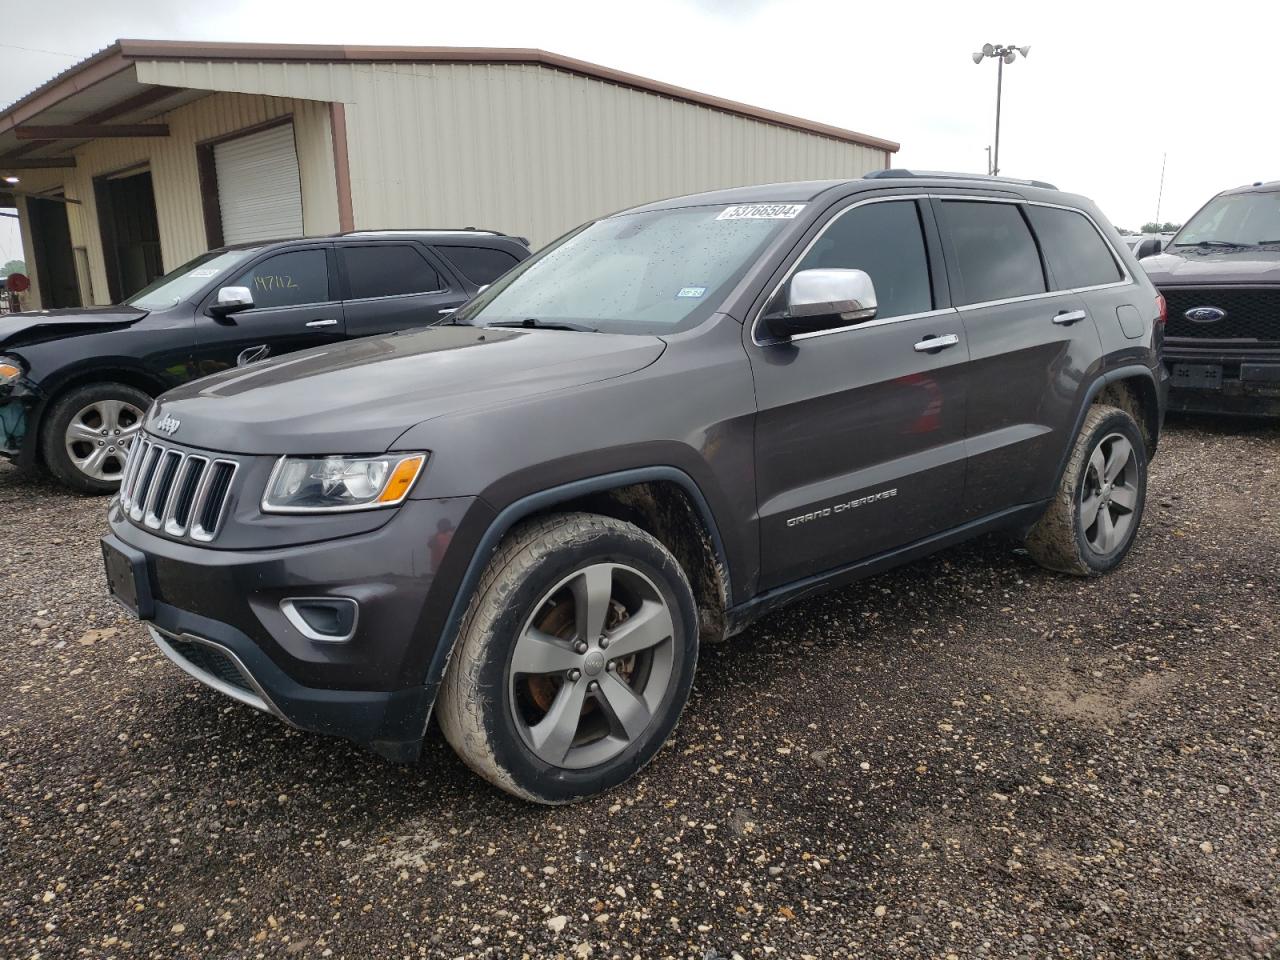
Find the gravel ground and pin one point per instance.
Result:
(966, 757)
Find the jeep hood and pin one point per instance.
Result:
(20, 328)
(360, 396)
(1193, 265)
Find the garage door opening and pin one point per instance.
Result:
(252, 190)
(130, 232)
(55, 266)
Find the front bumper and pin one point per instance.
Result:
(1224, 381)
(217, 614)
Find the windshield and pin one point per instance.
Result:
(1238, 219)
(180, 284)
(653, 273)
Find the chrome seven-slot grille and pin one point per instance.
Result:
(180, 492)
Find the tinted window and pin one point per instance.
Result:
(884, 240)
(1077, 254)
(387, 270)
(288, 279)
(994, 250)
(480, 265)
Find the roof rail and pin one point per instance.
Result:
(392, 230)
(895, 173)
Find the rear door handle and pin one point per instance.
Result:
(1068, 317)
(445, 313)
(930, 344)
(322, 323)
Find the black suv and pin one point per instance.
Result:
(1220, 277)
(666, 424)
(74, 383)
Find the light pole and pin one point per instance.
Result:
(1002, 53)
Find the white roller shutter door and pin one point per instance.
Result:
(259, 193)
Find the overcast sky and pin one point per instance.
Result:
(1107, 90)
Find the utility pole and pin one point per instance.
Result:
(1002, 54)
(988, 159)
(1160, 196)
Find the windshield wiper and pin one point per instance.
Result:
(533, 323)
(1213, 243)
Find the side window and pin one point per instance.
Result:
(288, 279)
(1077, 254)
(480, 265)
(886, 241)
(388, 270)
(995, 252)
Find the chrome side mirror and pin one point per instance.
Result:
(231, 300)
(824, 299)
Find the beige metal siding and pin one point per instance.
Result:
(524, 148)
(176, 180)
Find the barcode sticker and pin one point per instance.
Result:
(761, 211)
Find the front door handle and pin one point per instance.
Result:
(1068, 317)
(930, 344)
(322, 323)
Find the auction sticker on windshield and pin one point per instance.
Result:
(761, 211)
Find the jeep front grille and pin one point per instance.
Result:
(183, 493)
(1252, 316)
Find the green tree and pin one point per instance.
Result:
(1165, 227)
(13, 266)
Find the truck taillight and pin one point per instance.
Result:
(1162, 309)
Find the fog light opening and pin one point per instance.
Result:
(322, 619)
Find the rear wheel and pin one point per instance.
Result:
(575, 659)
(1092, 521)
(87, 433)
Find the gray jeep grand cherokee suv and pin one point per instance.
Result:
(657, 429)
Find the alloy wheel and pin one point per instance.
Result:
(592, 665)
(1109, 494)
(98, 437)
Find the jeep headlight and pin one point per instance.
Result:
(336, 484)
(10, 369)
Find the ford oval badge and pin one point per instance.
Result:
(1205, 314)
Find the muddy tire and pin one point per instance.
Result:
(574, 660)
(1094, 516)
(86, 435)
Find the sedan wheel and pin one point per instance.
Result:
(98, 436)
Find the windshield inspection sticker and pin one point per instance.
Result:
(761, 211)
(694, 292)
(202, 273)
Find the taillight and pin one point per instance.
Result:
(1163, 310)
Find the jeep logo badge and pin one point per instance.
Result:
(169, 425)
(1205, 314)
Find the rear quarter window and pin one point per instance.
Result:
(1077, 254)
(480, 265)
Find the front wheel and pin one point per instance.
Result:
(1091, 523)
(87, 433)
(575, 659)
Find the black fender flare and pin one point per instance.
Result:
(524, 507)
(1100, 383)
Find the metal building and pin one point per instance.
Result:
(150, 152)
